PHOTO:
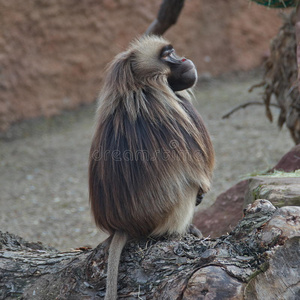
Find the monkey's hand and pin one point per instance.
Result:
(195, 231)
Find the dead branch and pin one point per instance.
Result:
(167, 16)
(244, 105)
(281, 74)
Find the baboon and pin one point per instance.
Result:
(151, 156)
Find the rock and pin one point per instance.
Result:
(290, 161)
(281, 191)
(227, 210)
(224, 214)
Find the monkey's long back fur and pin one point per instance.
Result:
(151, 152)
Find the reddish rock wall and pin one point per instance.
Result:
(53, 53)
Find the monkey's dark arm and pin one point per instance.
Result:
(200, 196)
(193, 229)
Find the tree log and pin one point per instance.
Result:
(259, 259)
(168, 14)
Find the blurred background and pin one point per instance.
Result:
(53, 56)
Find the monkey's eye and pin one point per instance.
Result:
(166, 54)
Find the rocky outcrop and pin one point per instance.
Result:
(290, 162)
(280, 188)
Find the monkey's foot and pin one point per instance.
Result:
(195, 231)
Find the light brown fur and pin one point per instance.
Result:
(151, 153)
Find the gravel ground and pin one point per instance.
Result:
(43, 163)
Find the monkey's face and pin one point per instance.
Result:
(153, 56)
(183, 73)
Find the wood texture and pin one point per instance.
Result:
(252, 261)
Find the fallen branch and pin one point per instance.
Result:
(244, 105)
(246, 262)
(250, 90)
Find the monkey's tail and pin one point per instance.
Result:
(115, 249)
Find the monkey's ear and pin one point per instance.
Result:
(120, 75)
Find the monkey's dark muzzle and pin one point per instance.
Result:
(184, 77)
(187, 65)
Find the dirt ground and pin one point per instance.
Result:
(43, 163)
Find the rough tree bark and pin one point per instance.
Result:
(167, 16)
(259, 259)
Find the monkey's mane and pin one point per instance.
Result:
(147, 149)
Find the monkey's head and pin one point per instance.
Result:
(152, 59)
(183, 74)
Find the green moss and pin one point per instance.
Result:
(262, 268)
(278, 174)
(256, 193)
